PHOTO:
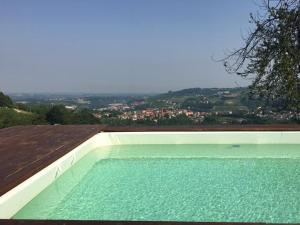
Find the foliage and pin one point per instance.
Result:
(126, 122)
(145, 106)
(211, 120)
(111, 113)
(9, 117)
(195, 92)
(178, 120)
(84, 116)
(271, 54)
(196, 104)
(58, 114)
(252, 103)
(21, 106)
(5, 100)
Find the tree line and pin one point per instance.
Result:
(19, 114)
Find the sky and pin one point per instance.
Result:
(119, 46)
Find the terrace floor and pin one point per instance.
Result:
(25, 150)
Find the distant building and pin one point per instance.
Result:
(71, 107)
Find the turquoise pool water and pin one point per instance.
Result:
(228, 183)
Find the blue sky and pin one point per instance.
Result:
(118, 46)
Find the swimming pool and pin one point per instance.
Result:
(188, 176)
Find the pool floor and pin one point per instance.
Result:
(209, 183)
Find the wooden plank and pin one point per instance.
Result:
(91, 222)
(249, 127)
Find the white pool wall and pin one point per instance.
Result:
(12, 201)
(234, 137)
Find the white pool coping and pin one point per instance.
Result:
(15, 199)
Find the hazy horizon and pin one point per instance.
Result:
(146, 47)
(110, 93)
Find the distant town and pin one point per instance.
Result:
(184, 107)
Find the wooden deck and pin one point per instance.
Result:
(25, 150)
(74, 222)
